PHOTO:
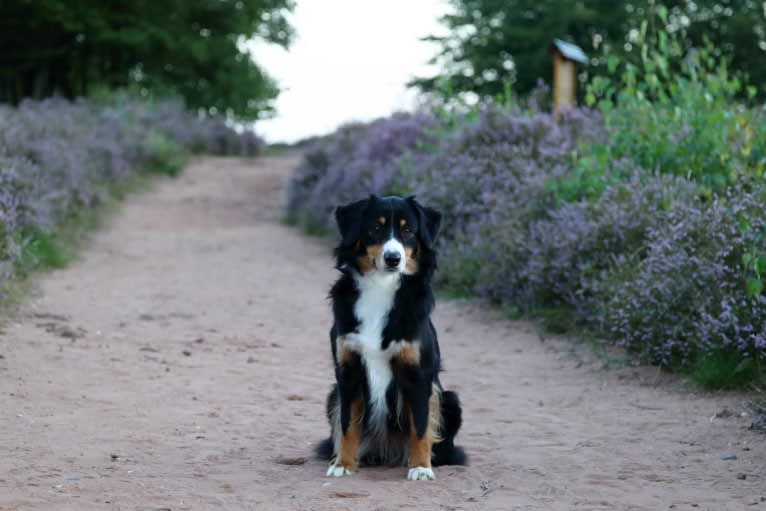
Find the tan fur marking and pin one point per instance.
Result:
(349, 441)
(409, 354)
(344, 354)
(435, 415)
(402, 222)
(420, 448)
(412, 263)
(382, 220)
(366, 262)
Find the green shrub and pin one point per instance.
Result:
(164, 155)
(677, 110)
(725, 369)
(42, 250)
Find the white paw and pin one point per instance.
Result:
(337, 471)
(421, 474)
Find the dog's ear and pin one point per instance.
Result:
(349, 220)
(429, 221)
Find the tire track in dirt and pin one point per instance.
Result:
(183, 362)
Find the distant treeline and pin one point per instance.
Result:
(491, 43)
(193, 49)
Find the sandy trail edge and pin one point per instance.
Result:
(200, 376)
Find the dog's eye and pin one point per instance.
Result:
(406, 232)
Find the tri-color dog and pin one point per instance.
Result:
(388, 406)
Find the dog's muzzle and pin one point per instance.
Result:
(392, 260)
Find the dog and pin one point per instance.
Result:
(388, 406)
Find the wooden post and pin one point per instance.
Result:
(564, 75)
(564, 84)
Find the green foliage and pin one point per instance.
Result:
(556, 320)
(42, 250)
(56, 246)
(171, 47)
(726, 369)
(674, 110)
(493, 41)
(753, 258)
(459, 273)
(165, 156)
(306, 222)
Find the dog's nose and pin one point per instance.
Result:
(392, 259)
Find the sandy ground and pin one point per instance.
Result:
(183, 361)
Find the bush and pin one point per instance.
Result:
(502, 157)
(357, 160)
(163, 155)
(687, 296)
(562, 256)
(642, 223)
(58, 156)
(677, 109)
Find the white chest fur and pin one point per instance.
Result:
(376, 298)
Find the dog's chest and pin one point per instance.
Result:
(375, 301)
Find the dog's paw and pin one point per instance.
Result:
(421, 474)
(338, 471)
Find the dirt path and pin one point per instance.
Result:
(182, 363)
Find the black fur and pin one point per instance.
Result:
(408, 320)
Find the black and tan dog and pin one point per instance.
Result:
(388, 406)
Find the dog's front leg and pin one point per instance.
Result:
(349, 376)
(419, 403)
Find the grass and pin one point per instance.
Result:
(42, 250)
(726, 370)
(306, 223)
(452, 293)
(555, 320)
(55, 248)
(167, 157)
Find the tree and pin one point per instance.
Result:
(496, 41)
(492, 42)
(736, 27)
(194, 49)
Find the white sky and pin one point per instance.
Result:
(350, 60)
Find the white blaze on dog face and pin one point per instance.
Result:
(393, 250)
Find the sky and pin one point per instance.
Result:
(350, 60)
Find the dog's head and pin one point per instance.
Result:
(388, 235)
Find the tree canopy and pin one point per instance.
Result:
(492, 42)
(192, 49)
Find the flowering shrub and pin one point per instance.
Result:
(562, 256)
(688, 294)
(56, 156)
(210, 135)
(503, 157)
(357, 160)
(643, 223)
(655, 262)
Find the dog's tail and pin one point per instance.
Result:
(446, 452)
(324, 449)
